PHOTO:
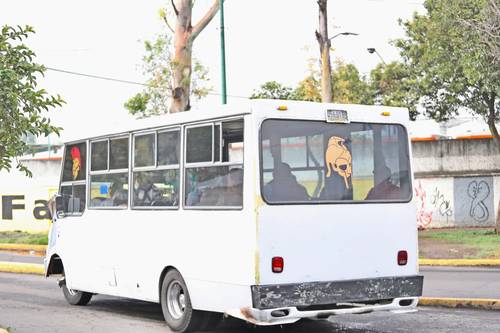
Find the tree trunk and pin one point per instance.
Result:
(184, 36)
(490, 100)
(324, 47)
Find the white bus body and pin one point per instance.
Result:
(336, 256)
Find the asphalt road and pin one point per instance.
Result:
(31, 303)
(468, 282)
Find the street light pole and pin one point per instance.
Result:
(223, 52)
(372, 50)
(344, 34)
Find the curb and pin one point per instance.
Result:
(23, 247)
(456, 303)
(460, 262)
(19, 267)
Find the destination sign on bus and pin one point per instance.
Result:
(337, 116)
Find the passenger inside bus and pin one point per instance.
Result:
(284, 186)
(232, 195)
(384, 189)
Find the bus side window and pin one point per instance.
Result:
(109, 173)
(73, 178)
(156, 170)
(216, 182)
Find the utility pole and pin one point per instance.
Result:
(324, 47)
(223, 53)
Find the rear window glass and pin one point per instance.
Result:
(313, 161)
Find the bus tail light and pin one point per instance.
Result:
(402, 258)
(277, 264)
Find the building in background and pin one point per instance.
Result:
(23, 200)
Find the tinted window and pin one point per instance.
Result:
(199, 144)
(109, 190)
(75, 162)
(168, 148)
(214, 186)
(73, 198)
(232, 141)
(99, 160)
(159, 188)
(118, 153)
(304, 161)
(144, 150)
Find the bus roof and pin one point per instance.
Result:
(261, 108)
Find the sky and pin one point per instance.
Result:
(265, 40)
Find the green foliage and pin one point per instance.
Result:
(21, 237)
(22, 105)
(309, 89)
(348, 86)
(158, 67)
(483, 242)
(273, 90)
(392, 85)
(450, 65)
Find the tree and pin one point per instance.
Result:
(324, 47)
(391, 85)
(158, 66)
(451, 64)
(348, 86)
(487, 28)
(184, 36)
(273, 90)
(22, 104)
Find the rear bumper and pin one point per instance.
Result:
(288, 315)
(333, 292)
(287, 303)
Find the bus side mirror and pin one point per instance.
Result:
(57, 206)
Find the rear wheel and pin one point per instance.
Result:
(177, 309)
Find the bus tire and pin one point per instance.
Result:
(76, 297)
(176, 304)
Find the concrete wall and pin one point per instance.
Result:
(457, 183)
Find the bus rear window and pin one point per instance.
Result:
(313, 161)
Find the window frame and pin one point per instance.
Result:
(155, 166)
(75, 182)
(108, 171)
(334, 202)
(211, 163)
(155, 153)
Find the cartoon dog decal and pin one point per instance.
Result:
(338, 159)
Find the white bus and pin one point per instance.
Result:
(270, 212)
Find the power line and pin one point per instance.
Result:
(106, 78)
(97, 77)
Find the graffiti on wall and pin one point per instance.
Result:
(474, 201)
(441, 204)
(478, 192)
(424, 217)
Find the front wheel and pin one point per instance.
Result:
(177, 309)
(75, 297)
